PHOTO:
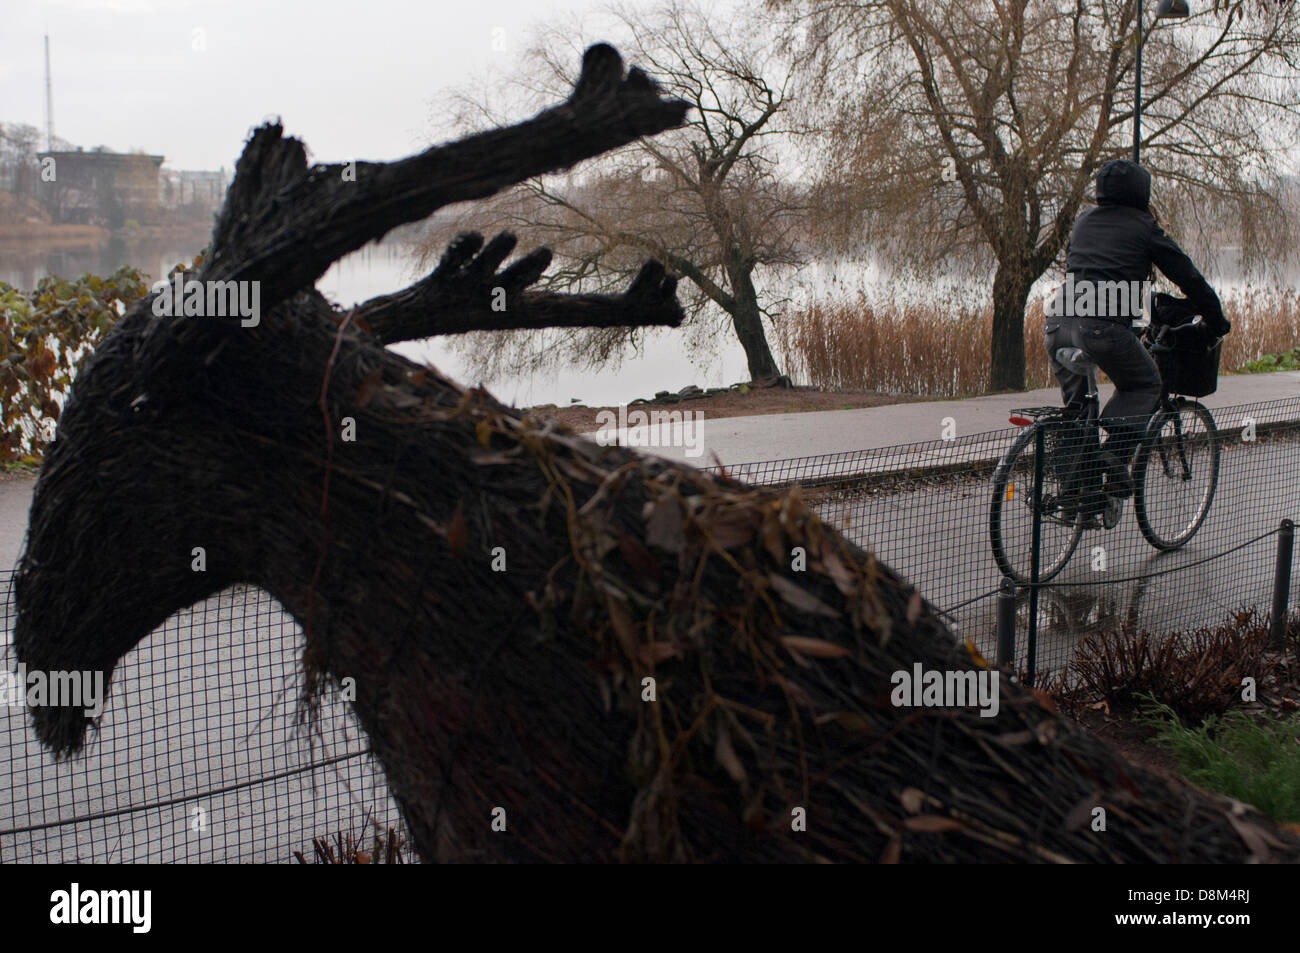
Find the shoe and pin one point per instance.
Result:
(1084, 506)
(1118, 482)
(1114, 510)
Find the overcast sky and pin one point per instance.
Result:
(354, 80)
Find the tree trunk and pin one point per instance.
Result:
(1011, 287)
(747, 319)
(559, 651)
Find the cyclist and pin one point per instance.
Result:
(1118, 241)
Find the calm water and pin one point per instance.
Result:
(667, 360)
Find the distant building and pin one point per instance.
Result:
(200, 191)
(101, 187)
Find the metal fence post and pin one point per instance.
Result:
(1006, 622)
(1282, 584)
(1031, 645)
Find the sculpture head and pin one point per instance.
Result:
(190, 444)
(149, 497)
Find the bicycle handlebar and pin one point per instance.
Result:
(1158, 344)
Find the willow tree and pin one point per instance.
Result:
(977, 127)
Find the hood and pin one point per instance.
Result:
(1124, 182)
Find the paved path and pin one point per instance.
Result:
(737, 440)
(15, 498)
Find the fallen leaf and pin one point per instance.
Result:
(641, 560)
(799, 597)
(843, 579)
(1010, 739)
(914, 606)
(732, 530)
(849, 720)
(1080, 814)
(817, 648)
(913, 799)
(400, 399)
(663, 527)
(975, 655)
(649, 653)
(726, 755)
(457, 532)
(366, 391)
(931, 824)
(621, 620)
(1254, 837)
(1045, 699)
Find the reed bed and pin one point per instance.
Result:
(937, 350)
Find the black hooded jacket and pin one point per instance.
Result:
(1119, 240)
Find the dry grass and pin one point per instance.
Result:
(937, 351)
(1263, 322)
(388, 848)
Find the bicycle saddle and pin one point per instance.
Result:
(1075, 360)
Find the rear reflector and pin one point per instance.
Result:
(1020, 421)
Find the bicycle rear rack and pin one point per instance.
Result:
(1024, 416)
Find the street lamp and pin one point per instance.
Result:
(1167, 10)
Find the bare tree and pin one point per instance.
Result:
(981, 124)
(705, 200)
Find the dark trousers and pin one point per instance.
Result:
(1114, 348)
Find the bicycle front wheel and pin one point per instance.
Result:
(1175, 474)
(1011, 516)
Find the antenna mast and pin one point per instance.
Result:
(49, 101)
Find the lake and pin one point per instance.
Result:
(663, 363)
(667, 359)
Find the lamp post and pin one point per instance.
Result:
(1167, 10)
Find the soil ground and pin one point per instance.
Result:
(755, 402)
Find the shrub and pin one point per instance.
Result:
(1286, 361)
(44, 335)
(1195, 674)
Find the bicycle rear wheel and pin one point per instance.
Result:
(1011, 513)
(1175, 474)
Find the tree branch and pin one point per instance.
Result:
(467, 293)
(284, 224)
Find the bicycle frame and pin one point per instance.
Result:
(1169, 405)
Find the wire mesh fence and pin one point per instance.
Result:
(926, 509)
(204, 757)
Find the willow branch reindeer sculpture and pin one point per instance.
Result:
(671, 666)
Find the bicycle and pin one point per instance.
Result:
(1179, 449)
